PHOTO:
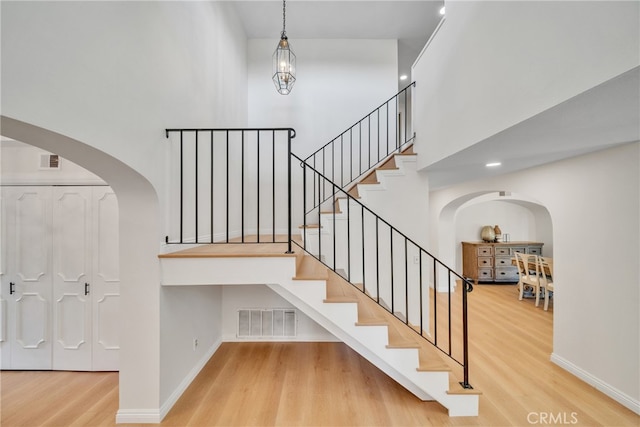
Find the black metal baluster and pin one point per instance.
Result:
(291, 135)
(341, 161)
(377, 264)
(212, 187)
(348, 238)
(391, 249)
(196, 187)
(227, 184)
(406, 278)
(378, 123)
(449, 309)
(273, 186)
(364, 285)
(350, 155)
(242, 188)
(334, 200)
(319, 220)
(304, 205)
(420, 284)
(435, 304)
(181, 187)
(387, 129)
(369, 136)
(258, 186)
(360, 145)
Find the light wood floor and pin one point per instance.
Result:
(327, 384)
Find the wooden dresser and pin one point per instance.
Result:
(491, 262)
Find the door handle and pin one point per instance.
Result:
(12, 288)
(86, 289)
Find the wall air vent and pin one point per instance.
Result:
(267, 323)
(49, 161)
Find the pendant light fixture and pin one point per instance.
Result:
(284, 60)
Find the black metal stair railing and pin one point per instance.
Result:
(230, 186)
(385, 130)
(383, 263)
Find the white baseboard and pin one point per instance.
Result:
(138, 416)
(153, 416)
(620, 397)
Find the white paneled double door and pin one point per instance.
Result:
(59, 271)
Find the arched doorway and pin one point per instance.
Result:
(522, 217)
(139, 237)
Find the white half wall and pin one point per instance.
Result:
(338, 83)
(493, 64)
(594, 204)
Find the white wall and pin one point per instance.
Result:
(97, 83)
(594, 203)
(238, 297)
(494, 64)
(180, 361)
(338, 83)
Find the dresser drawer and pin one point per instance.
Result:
(506, 274)
(503, 261)
(536, 250)
(521, 249)
(485, 251)
(502, 251)
(485, 274)
(484, 261)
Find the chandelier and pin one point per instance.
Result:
(284, 60)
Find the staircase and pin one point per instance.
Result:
(351, 270)
(329, 300)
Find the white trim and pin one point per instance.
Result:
(617, 395)
(138, 416)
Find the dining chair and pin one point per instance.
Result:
(546, 280)
(526, 277)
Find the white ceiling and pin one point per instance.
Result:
(602, 117)
(410, 22)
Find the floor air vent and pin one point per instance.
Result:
(267, 323)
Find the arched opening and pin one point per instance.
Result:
(522, 217)
(139, 237)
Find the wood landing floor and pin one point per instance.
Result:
(328, 384)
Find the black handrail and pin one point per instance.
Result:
(196, 207)
(358, 261)
(352, 157)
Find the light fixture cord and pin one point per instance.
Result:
(284, 19)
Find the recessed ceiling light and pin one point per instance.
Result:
(442, 10)
(403, 77)
(493, 164)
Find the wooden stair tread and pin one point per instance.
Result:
(340, 299)
(456, 388)
(309, 226)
